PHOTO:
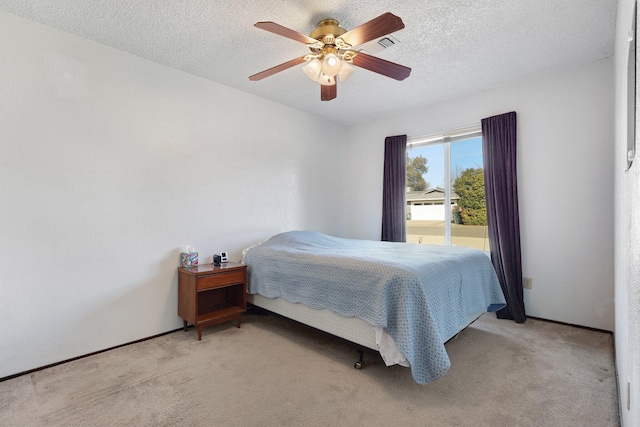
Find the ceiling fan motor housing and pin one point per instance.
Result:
(327, 31)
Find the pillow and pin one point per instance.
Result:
(244, 251)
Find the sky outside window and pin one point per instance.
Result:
(464, 154)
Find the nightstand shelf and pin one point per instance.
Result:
(209, 294)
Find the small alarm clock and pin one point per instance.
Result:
(222, 258)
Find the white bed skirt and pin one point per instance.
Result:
(351, 329)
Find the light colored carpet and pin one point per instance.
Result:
(274, 372)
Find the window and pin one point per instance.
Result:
(447, 171)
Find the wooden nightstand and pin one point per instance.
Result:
(209, 294)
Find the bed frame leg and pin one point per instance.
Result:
(360, 363)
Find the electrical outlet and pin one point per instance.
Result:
(527, 283)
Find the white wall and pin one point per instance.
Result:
(627, 234)
(565, 165)
(110, 164)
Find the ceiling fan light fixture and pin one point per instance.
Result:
(331, 64)
(312, 69)
(326, 80)
(345, 71)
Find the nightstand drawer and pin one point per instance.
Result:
(220, 279)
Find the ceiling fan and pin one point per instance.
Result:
(333, 55)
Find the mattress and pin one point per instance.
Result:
(351, 329)
(420, 295)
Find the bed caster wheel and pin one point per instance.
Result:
(360, 363)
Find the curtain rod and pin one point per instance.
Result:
(452, 133)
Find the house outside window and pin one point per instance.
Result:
(445, 190)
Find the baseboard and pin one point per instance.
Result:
(30, 371)
(615, 370)
(257, 312)
(571, 324)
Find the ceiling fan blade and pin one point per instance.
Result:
(381, 66)
(327, 93)
(384, 24)
(271, 71)
(285, 32)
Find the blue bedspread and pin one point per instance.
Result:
(420, 294)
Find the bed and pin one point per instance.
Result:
(404, 300)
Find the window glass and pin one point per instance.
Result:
(465, 224)
(469, 211)
(425, 180)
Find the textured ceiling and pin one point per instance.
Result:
(454, 47)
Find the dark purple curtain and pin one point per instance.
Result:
(499, 152)
(393, 189)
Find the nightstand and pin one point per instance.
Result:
(209, 294)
